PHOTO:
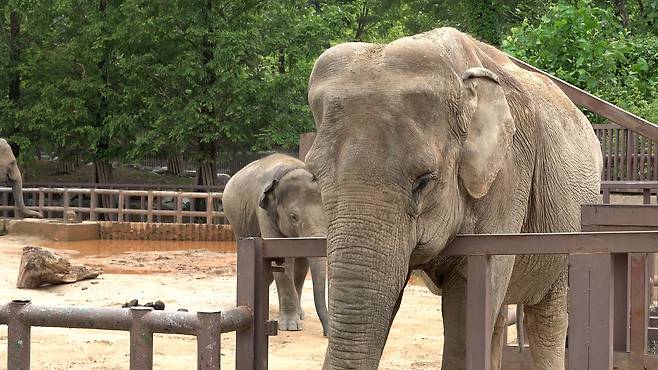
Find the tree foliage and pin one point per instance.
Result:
(106, 80)
(588, 46)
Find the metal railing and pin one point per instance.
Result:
(119, 205)
(594, 312)
(142, 322)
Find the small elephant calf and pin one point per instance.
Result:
(276, 197)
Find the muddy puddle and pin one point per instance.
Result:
(108, 248)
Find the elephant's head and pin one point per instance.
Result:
(293, 204)
(405, 142)
(10, 173)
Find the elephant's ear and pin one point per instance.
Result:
(489, 130)
(267, 196)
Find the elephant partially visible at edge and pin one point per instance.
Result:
(10, 174)
(277, 197)
(432, 136)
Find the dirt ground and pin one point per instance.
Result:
(197, 280)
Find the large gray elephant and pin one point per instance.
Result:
(276, 197)
(425, 138)
(10, 174)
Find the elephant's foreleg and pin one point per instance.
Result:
(453, 303)
(546, 328)
(319, 276)
(300, 271)
(288, 299)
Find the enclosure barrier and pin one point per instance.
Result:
(141, 322)
(646, 188)
(627, 156)
(119, 204)
(594, 312)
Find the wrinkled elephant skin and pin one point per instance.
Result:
(276, 197)
(425, 138)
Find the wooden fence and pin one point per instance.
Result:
(120, 205)
(627, 156)
(605, 327)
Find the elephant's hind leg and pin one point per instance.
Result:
(546, 327)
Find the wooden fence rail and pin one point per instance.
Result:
(605, 327)
(120, 205)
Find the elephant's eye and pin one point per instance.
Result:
(294, 217)
(421, 183)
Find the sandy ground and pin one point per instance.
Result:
(196, 280)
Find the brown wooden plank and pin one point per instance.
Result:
(621, 301)
(654, 161)
(579, 295)
(625, 154)
(478, 314)
(639, 303)
(634, 361)
(601, 304)
(624, 216)
(617, 173)
(608, 140)
(630, 153)
(499, 244)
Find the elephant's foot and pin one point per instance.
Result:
(290, 322)
(301, 314)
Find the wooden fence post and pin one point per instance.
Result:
(478, 314)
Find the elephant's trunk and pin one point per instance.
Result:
(16, 180)
(368, 266)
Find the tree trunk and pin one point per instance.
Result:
(67, 166)
(483, 20)
(175, 165)
(14, 55)
(206, 175)
(103, 175)
(361, 20)
(41, 267)
(621, 10)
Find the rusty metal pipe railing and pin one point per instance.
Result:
(141, 322)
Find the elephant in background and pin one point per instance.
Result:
(428, 137)
(12, 175)
(276, 197)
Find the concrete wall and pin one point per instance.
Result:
(165, 231)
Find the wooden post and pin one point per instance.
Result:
(149, 207)
(179, 208)
(251, 345)
(578, 339)
(478, 314)
(639, 303)
(93, 205)
(120, 205)
(209, 209)
(601, 303)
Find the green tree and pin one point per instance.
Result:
(588, 46)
